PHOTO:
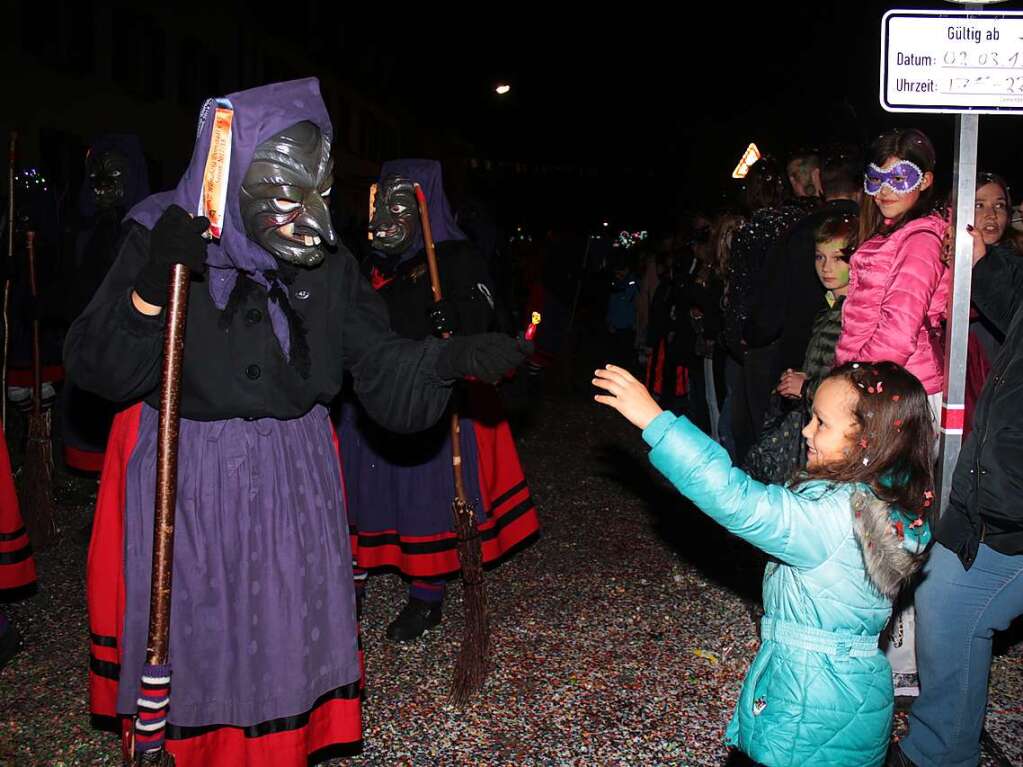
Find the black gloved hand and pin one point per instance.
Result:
(176, 239)
(443, 317)
(486, 356)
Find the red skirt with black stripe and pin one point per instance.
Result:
(17, 566)
(332, 725)
(507, 521)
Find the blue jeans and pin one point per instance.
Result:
(957, 611)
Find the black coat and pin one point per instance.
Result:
(233, 364)
(463, 279)
(987, 488)
(750, 249)
(788, 293)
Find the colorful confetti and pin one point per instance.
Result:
(621, 637)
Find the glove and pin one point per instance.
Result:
(177, 239)
(443, 317)
(486, 356)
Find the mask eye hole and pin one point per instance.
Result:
(286, 206)
(115, 173)
(397, 209)
(327, 192)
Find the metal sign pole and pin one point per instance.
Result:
(964, 190)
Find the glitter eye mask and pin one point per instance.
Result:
(903, 178)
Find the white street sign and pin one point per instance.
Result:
(952, 61)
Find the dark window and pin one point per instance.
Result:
(138, 54)
(199, 74)
(60, 34)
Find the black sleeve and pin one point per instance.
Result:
(394, 378)
(112, 349)
(764, 324)
(997, 286)
(465, 281)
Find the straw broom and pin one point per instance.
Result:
(38, 485)
(473, 657)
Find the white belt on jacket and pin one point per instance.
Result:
(839, 644)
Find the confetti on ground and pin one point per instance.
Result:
(621, 637)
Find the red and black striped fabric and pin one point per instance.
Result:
(511, 517)
(17, 565)
(83, 460)
(332, 723)
(656, 374)
(24, 376)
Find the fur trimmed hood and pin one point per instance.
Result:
(893, 550)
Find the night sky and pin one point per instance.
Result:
(677, 95)
(631, 115)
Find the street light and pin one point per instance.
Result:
(502, 89)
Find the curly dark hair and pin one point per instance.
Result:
(766, 184)
(893, 452)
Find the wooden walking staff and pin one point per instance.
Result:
(38, 485)
(473, 657)
(147, 746)
(7, 282)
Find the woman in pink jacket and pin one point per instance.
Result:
(898, 290)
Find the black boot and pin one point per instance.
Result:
(896, 758)
(10, 644)
(415, 618)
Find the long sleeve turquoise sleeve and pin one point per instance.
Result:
(801, 528)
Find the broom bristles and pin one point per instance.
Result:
(473, 656)
(37, 507)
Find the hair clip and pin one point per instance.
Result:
(896, 397)
(863, 443)
(856, 365)
(880, 386)
(928, 494)
(866, 462)
(871, 390)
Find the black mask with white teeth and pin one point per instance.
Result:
(285, 195)
(108, 174)
(395, 223)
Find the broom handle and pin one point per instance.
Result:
(37, 363)
(11, 157)
(167, 467)
(431, 262)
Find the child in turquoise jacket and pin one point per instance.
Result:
(843, 536)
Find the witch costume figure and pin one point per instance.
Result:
(402, 487)
(263, 636)
(17, 565)
(116, 179)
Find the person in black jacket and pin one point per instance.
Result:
(788, 294)
(772, 214)
(116, 179)
(973, 582)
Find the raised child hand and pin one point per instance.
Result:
(626, 395)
